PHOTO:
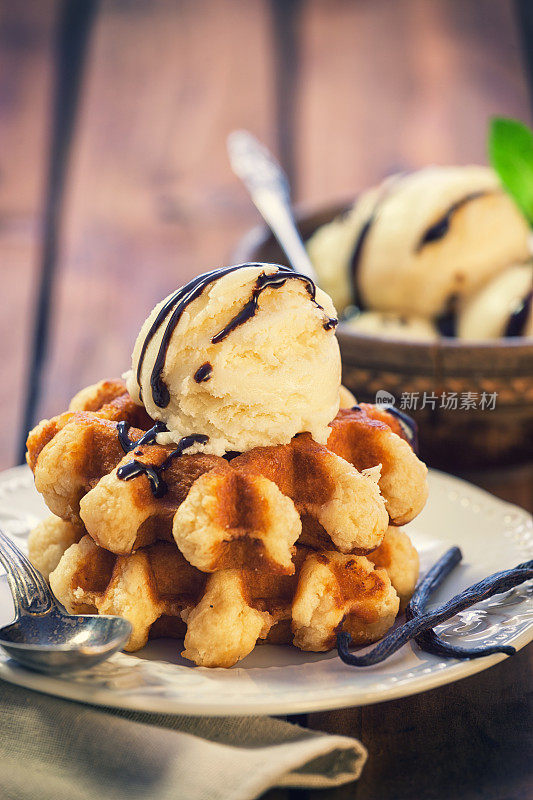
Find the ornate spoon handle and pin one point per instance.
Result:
(269, 189)
(30, 593)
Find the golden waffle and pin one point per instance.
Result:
(142, 587)
(69, 454)
(346, 504)
(76, 453)
(227, 612)
(339, 592)
(238, 609)
(399, 558)
(267, 524)
(157, 584)
(48, 541)
(77, 473)
(76, 457)
(231, 518)
(110, 400)
(222, 515)
(106, 399)
(365, 436)
(123, 515)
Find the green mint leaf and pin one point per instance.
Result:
(510, 148)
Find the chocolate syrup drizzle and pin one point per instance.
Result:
(440, 228)
(135, 468)
(149, 437)
(516, 323)
(182, 298)
(203, 373)
(273, 281)
(407, 424)
(359, 244)
(356, 260)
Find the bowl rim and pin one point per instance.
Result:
(259, 234)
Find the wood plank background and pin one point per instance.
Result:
(115, 185)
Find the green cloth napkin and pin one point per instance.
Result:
(55, 749)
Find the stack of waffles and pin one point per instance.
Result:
(283, 544)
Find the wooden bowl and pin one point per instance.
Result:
(451, 438)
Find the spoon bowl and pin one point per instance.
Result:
(58, 642)
(43, 636)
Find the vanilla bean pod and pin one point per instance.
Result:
(494, 584)
(430, 641)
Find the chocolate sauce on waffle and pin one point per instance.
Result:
(149, 437)
(182, 298)
(135, 468)
(407, 424)
(203, 373)
(516, 323)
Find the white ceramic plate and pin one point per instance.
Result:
(493, 535)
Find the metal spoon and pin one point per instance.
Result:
(268, 187)
(43, 636)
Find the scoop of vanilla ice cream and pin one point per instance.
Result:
(419, 241)
(271, 377)
(486, 314)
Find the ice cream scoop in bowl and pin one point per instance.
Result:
(241, 357)
(43, 636)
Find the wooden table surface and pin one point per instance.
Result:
(115, 188)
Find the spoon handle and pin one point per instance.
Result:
(268, 187)
(30, 593)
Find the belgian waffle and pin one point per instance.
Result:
(223, 615)
(265, 545)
